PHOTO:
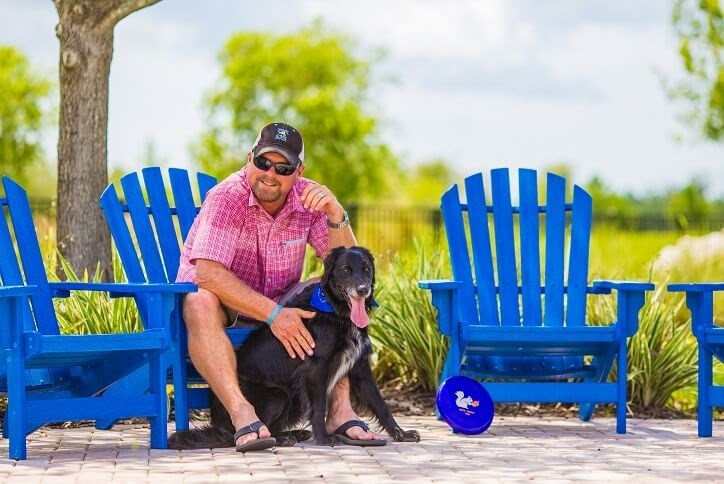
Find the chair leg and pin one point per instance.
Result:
(16, 415)
(159, 422)
(451, 367)
(621, 377)
(604, 364)
(180, 390)
(585, 411)
(705, 381)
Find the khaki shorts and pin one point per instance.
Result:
(238, 320)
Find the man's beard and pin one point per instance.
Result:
(266, 193)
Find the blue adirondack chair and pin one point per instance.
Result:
(710, 340)
(539, 352)
(50, 377)
(149, 243)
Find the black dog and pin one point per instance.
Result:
(284, 391)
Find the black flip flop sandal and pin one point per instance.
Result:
(340, 435)
(259, 443)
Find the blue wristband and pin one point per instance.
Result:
(273, 315)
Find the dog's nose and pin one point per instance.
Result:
(363, 290)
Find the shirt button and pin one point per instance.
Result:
(268, 280)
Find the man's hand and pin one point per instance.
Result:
(319, 198)
(290, 330)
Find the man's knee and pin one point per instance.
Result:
(203, 308)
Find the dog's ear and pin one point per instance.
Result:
(329, 262)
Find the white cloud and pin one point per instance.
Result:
(417, 28)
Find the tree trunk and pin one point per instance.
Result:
(85, 30)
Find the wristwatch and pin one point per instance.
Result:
(339, 225)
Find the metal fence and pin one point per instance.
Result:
(391, 227)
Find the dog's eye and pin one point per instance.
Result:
(366, 268)
(345, 269)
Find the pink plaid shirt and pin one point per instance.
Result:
(265, 252)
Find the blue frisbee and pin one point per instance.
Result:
(465, 405)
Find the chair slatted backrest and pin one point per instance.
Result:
(21, 261)
(156, 236)
(509, 246)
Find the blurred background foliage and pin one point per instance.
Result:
(311, 80)
(26, 110)
(699, 26)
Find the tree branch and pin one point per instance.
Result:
(118, 10)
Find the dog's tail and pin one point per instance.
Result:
(206, 437)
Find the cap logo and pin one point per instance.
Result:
(282, 134)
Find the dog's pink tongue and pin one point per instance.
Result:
(359, 312)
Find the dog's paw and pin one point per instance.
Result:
(325, 440)
(286, 441)
(406, 435)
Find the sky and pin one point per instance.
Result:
(479, 83)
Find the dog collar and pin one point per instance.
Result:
(319, 300)
(320, 303)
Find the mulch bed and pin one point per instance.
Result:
(414, 401)
(410, 401)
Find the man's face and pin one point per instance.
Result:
(268, 186)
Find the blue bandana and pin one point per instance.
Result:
(319, 300)
(320, 303)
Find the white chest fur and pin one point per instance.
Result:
(354, 349)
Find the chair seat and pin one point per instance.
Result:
(238, 335)
(47, 351)
(539, 340)
(533, 368)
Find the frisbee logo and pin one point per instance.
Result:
(463, 401)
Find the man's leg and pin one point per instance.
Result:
(340, 411)
(214, 358)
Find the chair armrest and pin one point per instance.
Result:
(121, 289)
(439, 284)
(696, 287)
(700, 301)
(15, 291)
(630, 300)
(444, 295)
(623, 285)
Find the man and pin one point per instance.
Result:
(245, 251)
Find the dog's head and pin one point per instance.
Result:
(349, 281)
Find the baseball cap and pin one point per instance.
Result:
(280, 138)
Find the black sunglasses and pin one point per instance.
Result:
(283, 169)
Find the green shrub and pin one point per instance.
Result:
(408, 345)
(94, 312)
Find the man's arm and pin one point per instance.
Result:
(340, 237)
(233, 293)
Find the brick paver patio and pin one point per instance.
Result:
(513, 449)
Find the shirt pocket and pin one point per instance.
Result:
(294, 242)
